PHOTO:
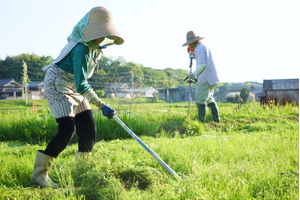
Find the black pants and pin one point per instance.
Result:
(85, 126)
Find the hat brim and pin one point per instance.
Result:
(96, 30)
(192, 40)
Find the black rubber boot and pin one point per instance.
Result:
(201, 112)
(214, 111)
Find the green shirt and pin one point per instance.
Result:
(76, 62)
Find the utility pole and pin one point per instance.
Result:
(168, 98)
(116, 95)
(175, 78)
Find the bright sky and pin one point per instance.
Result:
(250, 40)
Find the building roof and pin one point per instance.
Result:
(145, 89)
(36, 84)
(3, 82)
(233, 94)
(118, 86)
(188, 87)
(257, 91)
(281, 84)
(185, 87)
(7, 81)
(11, 90)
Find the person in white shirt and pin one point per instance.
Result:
(206, 75)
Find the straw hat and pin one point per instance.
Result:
(101, 25)
(191, 37)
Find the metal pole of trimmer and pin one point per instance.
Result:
(190, 92)
(146, 147)
(191, 54)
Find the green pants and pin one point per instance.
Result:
(205, 93)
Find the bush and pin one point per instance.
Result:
(100, 93)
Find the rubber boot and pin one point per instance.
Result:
(42, 165)
(201, 112)
(214, 111)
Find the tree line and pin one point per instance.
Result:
(109, 71)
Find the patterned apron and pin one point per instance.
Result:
(60, 90)
(61, 94)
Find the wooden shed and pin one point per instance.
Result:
(281, 91)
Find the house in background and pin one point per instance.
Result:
(180, 93)
(227, 93)
(36, 90)
(146, 92)
(230, 88)
(280, 91)
(122, 90)
(10, 89)
(234, 97)
(222, 93)
(256, 93)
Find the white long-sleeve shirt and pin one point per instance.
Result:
(205, 67)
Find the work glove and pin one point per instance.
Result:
(108, 111)
(191, 76)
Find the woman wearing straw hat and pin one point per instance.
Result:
(207, 77)
(68, 93)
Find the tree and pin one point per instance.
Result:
(100, 93)
(12, 65)
(245, 92)
(109, 71)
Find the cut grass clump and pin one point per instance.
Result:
(139, 177)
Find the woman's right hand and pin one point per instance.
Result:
(108, 111)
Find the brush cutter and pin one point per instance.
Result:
(190, 81)
(145, 146)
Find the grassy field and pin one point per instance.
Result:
(253, 153)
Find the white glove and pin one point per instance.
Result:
(191, 76)
(92, 97)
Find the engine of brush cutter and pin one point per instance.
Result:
(191, 52)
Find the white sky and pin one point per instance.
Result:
(250, 40)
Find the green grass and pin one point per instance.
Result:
(252, 154)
